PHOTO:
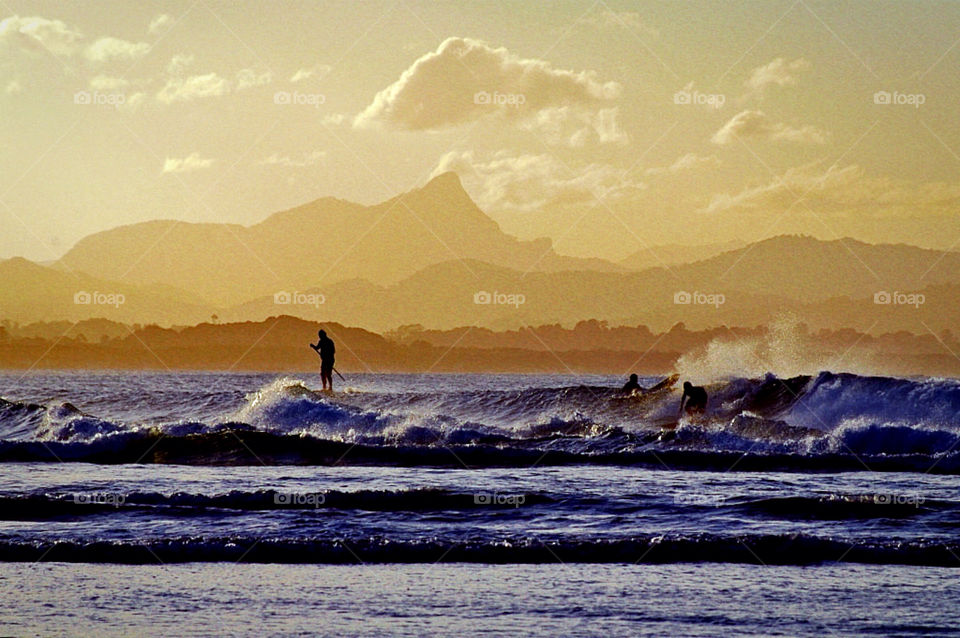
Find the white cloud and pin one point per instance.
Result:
(109, 49)
(306, 73)
(843, 192)
(160, 23)
(247, 78)
(179, 63)
(466, 79)
(107, 83)
(628, 19)
(529, 182)
(756, 125)
(193, 87)
(307, 159)
(36, 32)
(686, 162)
(334, 119)
(778, 72)
(133, 101)
(192, 162)
(576, 126)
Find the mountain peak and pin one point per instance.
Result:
(445, 180)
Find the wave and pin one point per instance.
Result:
(28, 507)
(766, 549)
(79, 504)
(806, 423)
(249, 447)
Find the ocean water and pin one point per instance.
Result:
(202, 503)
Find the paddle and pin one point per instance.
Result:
(335, 370)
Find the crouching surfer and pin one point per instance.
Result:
(694, 399)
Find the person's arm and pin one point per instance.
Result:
(682, 400)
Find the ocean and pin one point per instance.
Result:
(251, 504)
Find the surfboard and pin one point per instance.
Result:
(646, 393)
(666, 384)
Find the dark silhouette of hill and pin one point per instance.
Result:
(279, 344)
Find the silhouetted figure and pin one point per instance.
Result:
(695, 398)
(633, 385)
(326, 350)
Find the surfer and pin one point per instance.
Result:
(633, 385)
(326, 350)
(695, 397)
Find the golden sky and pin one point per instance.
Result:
(607, 126)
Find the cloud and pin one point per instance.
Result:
(247, 78)
(307, 159)
(192, 88)
(575, 127)
(466, 79)
(756, 125)
(109, 49)
(107, 83)
(179, 63)
(160, 23)
(838, 191)
(33, 33)
(777, 71)
(13, 87)
(628, 19)
(192, 162)
(686, 162)
(306, 73)
(133, 101)
(528, 182)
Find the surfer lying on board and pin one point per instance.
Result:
(695, 398)
(326, 350)
(633, 385)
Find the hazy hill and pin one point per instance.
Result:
(809, 269)
(319, 243)
(674, 254)
(31, 292)
(833, 282)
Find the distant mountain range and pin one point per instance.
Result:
(317, 244)
(432, 257)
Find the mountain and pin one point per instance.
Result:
(831, 283)
(674, 254)
(31, 292)
(809, 270)
(317, 244)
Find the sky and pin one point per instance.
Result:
(607, 126)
